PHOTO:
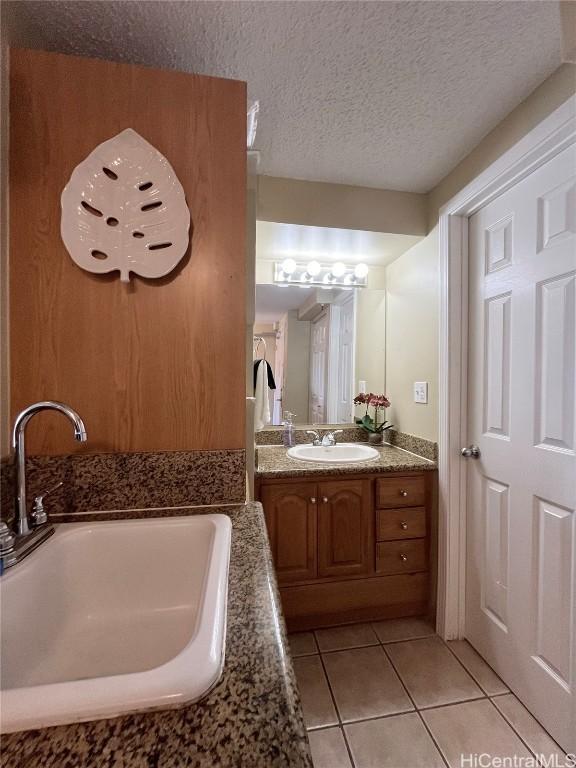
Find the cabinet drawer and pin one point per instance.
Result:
(401, 556)
(400, 491)
(394, 524)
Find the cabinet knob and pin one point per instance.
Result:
(404, 525)
(325, 499)
(313, 500)
(403, 493)
(403, 557)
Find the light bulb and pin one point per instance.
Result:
(338, 269)
(361, 271)
(313, 268)
(288, 266)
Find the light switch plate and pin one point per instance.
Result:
(362, 387)
(420, 391)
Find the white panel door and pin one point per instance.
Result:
(521, 520)
(345, 373)
(318, 369)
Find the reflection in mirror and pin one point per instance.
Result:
(319, 336)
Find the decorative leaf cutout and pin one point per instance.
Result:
(124, 209)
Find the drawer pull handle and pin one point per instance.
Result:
(313, 500)
(325, 499)
(403, 557)
(403, 493)
(404, 525)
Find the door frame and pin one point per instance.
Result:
(335, 309)
(554, 134)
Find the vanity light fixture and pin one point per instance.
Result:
(287, 268)
(360, 273)
(335, 275)
(339, 269)
(313, 269)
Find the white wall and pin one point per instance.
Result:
(370, 341)
(412, 338)
(413, 280)
(321, 204)
(296, 367)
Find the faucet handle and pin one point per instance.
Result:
(330, 437)
(316, 437)
(39, 516)
(7, 539)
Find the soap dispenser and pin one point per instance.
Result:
(288, 436)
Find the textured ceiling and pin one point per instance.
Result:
(383, 94)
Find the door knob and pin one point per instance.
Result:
(325, 499)
(471, 452)
(313, 500)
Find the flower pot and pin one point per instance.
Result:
(375, 438)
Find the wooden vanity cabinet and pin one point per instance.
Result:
(291, 519)
(356, 548)
(345, 528)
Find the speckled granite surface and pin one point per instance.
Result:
(273, 462)
(274, 436)
(251, 719)
(426, 448)
(129, 480)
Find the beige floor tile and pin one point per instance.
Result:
(302, 644)
(329, 749)
(539, 741)
(364, 684)
(431, 673)
(475, 727)
(340, 638)
(400, 741)
(402, 629)
(317, 703)
(484, 675)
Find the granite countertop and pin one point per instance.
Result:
(252, 717)
(273, 462)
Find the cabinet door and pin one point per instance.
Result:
(345, 528)
(290, 512)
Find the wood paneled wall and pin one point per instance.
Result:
(157, 364)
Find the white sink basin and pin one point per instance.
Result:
(112, 617)
(342, 453)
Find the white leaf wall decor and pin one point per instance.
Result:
(124, 209)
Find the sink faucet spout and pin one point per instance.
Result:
(22, 521)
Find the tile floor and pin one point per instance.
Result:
(394, 695)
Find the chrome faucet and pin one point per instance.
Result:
(31, 530)
(328, 439)
(315, 436)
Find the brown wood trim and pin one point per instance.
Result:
(147, 365)
(408, 556)
(407, 523)
(342, 596)
(400, 491)
(355, 615)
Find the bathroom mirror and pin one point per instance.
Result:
(320, 321)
